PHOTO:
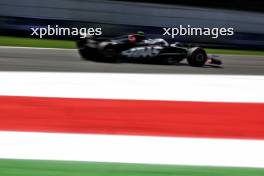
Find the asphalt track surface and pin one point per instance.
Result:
(68, 60)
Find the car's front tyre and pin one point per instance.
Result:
(196, 57)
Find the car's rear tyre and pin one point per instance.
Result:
(108, 53)
(86, 53)
(197, 57)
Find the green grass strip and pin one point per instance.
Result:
(71, 168)
(30, 42)
(234, 52)
(48, 43)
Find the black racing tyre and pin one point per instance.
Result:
(197, 57)
(88, 53)
(83, 50)
(84, 54)
(109, 53)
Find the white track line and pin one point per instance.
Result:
(132, 149)
(209, 88)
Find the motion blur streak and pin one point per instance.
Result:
(133, 117)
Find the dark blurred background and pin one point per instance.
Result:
(122, 17)
(249, 5)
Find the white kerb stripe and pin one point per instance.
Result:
(209, 88)
(132, 149)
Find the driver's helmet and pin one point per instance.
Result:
(138, 37)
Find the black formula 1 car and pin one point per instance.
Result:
(135, 47)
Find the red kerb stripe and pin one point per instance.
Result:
(132, 117)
